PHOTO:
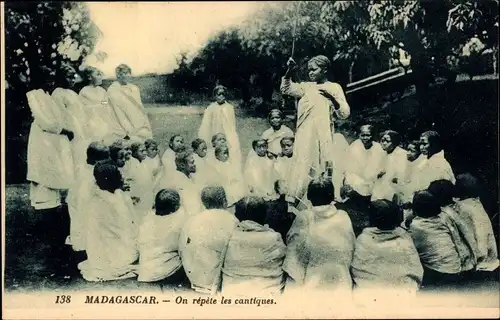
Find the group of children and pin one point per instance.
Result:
(197, 214)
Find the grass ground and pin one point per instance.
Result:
(26, 257)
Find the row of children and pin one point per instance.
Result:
(255, 251)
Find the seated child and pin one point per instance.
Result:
(176, 145)
(282, 166)
(119, 154)
(201, 161)
(276, 133)
(159, 240)
(141, 179)
(183, 180)
(469, 207)
(437, 241)
(80, 194)
(111, 232)
(393, 167)
(203, 241)
(434, 165)
(259, 172)
(320, 243)
(199, 147)
(414, 158)
(385, 257)
(218, 140)
(225, 173)
(255, 253)
(443, 191)
(153, 159)
(364, 161)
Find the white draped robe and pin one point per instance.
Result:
(220, 118)
(313, 137)
(126, 103)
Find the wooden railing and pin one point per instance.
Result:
(377, 79)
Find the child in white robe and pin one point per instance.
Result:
(218, 140)
(79, 195)
(434, 166)
(363, 163)
(255, 254)
(320, 244)
(393, 168)
(199, 147)
(283, 165)
(225, 173)
(313, 135)
(125, 101)
(100, 122)
(184, 181)
(112, 234)
(219, 117)
(50, 162)
(119, 154)
(469, 207)
(204, 239)
(277, 132)
(176, 144)
(414, 158)
(159, 233)
(153, 159)
(386, 263)
(259, 172)
(141, 179)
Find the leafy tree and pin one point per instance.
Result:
(45, 43)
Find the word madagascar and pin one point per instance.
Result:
(121, 300)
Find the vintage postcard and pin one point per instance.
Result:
(299, 159)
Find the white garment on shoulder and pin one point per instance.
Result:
(79, 196)
(362, 166)
(101, 120)
(50, 161)
(154, 165)
(141, 186)
(474, 215)
(386, 259)
(431, 169)
(125, 101)
(228, 175)
(410, 176)
(254, 260)
(274, 138)
(320, 249)
(159, 245)
(168, 161)
(111, 238)
(202, 246)
(260, 175)
(220, 118)
(188, 188)
(394, 166)
(313, 137)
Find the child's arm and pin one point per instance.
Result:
(334, 92)
(291, 88)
